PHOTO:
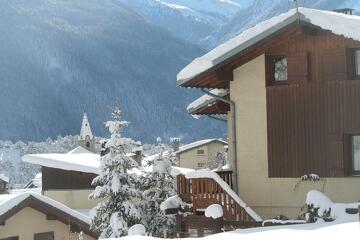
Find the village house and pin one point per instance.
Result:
(32, 216)
(290, 88)
(206, 153)
(67, 177)
(4, 184)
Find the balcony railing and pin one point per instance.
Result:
(203, 192)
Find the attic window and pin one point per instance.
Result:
(280, 69)
(200, 152)
(277, 70)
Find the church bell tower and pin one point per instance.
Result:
(86, 138)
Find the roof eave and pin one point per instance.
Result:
(227, 57)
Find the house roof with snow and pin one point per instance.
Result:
(207, 104)
(207, 67)
(10, 204)
(200, 143)
(78, 159)
(4, 178)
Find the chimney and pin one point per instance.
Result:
(175, 143)
(347, 11)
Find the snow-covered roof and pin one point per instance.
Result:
(198, 144)
(337, 23)
(206, 100)
(10, 204)
(9, 201)
(78, 150)
(213, 175)
(4, 178)
(72, 161)
(85, 129)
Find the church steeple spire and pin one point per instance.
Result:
(86, 138)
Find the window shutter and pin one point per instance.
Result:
(333, 65)
(298, 67)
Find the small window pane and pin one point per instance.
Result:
(200, 152)
(280, 69)
(357, 62)
(356, 153)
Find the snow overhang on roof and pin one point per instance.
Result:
(200, 143)
(339, 24)
(75, 160)
(207, 104)
(10, 204)
(4, 178)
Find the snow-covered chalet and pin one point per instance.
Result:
(290, 89)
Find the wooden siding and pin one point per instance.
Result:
(310, 118)
(53, 179)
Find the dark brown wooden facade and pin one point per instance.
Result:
(310, 117)
(57, 179)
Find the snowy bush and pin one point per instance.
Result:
(319, 207)
(115, 186)
(158, 185)
(137, 230)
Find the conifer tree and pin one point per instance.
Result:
(158, 185)
(115, 185)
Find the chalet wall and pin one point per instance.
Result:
(28, 221)
(53, 178)
(190, 159)
(309, 117)
(270, 196)
(75, 198)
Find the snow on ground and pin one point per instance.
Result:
(214, 211)
(225, 187)
(337, 210)
(318, 231)
(339, 24)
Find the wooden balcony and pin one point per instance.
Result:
(203, 192)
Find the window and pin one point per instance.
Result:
(87, 144)
(201, 165)
(280, 69)
(201, 152)
(10, 238)
(356, 154)
(44, 236)
(357, 62)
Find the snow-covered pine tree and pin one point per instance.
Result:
(158, 185)
(115, 185)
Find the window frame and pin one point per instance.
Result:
(270, 66)
(202, 164)
(353, 171)
(40, 236)
(200, 154)
(356, 64)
